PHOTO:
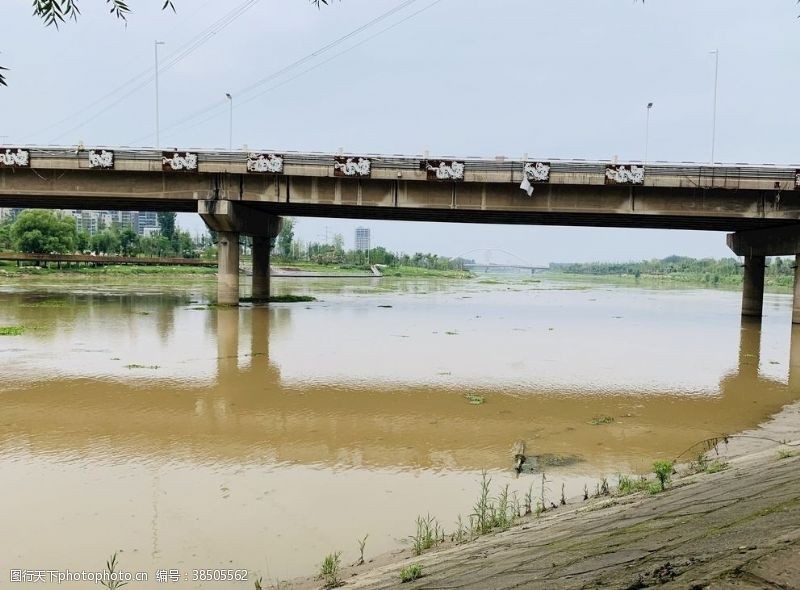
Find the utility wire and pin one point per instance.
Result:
(314, 67)
(146, 76)
(217, 105)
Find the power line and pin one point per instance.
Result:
(322, 63)
(146, 76)
(316, 53)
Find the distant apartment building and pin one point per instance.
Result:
(362, 239)
(146, 223)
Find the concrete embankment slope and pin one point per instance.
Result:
(738, 528)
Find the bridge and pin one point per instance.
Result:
(247, 192)
(495, 267)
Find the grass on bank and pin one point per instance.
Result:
(109, 269)
(677, 279)
(410, 573)
(330, 570)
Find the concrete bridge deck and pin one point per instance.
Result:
(669, 195)
(245, 192)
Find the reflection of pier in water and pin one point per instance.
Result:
(248, 416)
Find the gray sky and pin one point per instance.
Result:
(554, 79)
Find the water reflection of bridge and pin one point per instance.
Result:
(248, 415)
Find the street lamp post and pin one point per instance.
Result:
(647, 132)
(158, 137)
(714, 115)
(230, 121)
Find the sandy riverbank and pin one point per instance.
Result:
(738, 527)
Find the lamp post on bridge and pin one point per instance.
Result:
(230, 121)
(158, 134)
(714, 115)
(647, 132)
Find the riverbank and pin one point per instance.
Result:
(294, 269)
(775, 284)
(735, 523)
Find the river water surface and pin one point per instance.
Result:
(139, 419)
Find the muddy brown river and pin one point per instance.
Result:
(136, 418)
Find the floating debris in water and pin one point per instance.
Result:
(12, 330)
(475, 399)
(538, 463)
(599, 420)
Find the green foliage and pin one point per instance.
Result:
(716, 466)
(599, 420)
(166, 223)
(39, 231)
(111, 568)
(289, 250)
(286, 237)
(709, 271)
(428, 534)
(663, 471)
(491, 513)
(410, 573)
(630, 485)
(475, 399)
(6, 241)
(12, 330)
(330, 570)
(782, 454)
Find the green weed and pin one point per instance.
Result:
(663, 471)
(599, 420)
(410, 573)
(630, 485)
(330, 570)
(12, 330)
(716, 466)
(111, 569)
(428, 534)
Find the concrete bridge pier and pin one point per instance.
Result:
(796, 301)
(755, 245)
(228, 268)
(753, 286)
(261, 249)
(231, 219)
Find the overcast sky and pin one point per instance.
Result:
(554, 79)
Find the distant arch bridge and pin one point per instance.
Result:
(496, 260)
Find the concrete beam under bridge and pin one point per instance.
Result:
(231, 219)
(777, 241)
(755, 246)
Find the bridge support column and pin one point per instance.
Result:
(796, 300)
(228, 268)
(230, 219)
(261, 249)
(753, 287)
